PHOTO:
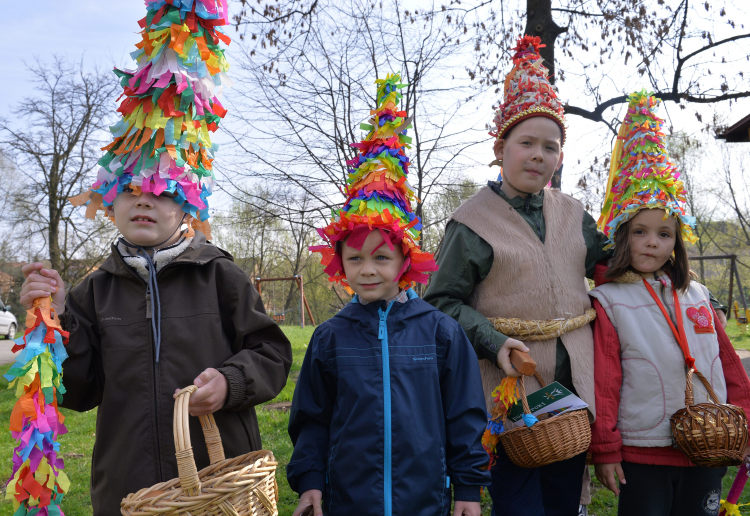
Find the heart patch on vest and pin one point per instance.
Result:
(701, 318)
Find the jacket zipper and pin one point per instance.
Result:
(154, 372)
(155, 369)
(155, 377)
(387, 473)
(527, 207)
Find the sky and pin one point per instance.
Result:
(104, 33)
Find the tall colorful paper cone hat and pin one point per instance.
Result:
(640, 173)
(527, 91)
(379, 197)
(162, 143)
(37, 482)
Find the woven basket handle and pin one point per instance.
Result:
(689, 400)
(186, 467)
(522, 391)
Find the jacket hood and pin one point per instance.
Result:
(199, 252)
(414, 307)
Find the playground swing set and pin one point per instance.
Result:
(279, 316)
(740, 316)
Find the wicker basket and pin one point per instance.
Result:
(243, 486)
(712, 435)
(552, 440)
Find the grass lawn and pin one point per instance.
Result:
(738, 335)
(76, 446)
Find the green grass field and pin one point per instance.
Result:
(76, 446)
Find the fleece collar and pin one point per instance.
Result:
(160, 258)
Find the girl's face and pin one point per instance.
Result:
(373, 276)
(652, 239)
(530, 153)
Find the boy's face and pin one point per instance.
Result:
(147, 219)
(373, 276)
(651, 239)
(530, 154)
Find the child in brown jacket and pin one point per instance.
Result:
(167, 309)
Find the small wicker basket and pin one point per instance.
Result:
(552, 440)
(243, 486)
(712, 435)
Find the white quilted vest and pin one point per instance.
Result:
(653, 366)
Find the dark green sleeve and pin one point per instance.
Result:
(595, 241)
(465, 259)
(716, 304)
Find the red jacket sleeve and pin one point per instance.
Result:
(738, 384)
(606, 441)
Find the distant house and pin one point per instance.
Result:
(6, 282)
(739, 132)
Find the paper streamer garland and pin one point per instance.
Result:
(505, 396)
(378, 193)
(38, 482)
(162, 142)
(640, 174)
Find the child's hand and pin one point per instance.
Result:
(467, 509)
(606, 475)
(41, 282)
(503, 356)
(211, 394)
(312, 499)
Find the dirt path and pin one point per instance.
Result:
(745, 357)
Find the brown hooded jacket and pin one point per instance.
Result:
(212, 316)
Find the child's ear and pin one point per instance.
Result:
(560, 161)
(109, 211)
(499, 148)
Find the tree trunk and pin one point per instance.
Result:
(539, 22)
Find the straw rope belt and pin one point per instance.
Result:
(531, 330)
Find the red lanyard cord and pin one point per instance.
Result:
(679, 332)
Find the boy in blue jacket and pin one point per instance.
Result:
(388, 411)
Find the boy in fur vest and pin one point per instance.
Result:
(516, 249)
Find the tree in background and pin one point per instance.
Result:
(686, 152)
(439, 211)
(304, 93)
(268, 231)
(53, 144)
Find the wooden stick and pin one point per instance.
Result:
(522, 362)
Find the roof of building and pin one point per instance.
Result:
(739, 132)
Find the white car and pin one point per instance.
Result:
(8, 323)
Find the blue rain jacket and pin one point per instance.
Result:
(388, 412)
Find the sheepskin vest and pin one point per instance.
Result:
(653, 366)
(534, 280)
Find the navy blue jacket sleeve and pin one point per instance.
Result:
(465, 415)
(310, 419)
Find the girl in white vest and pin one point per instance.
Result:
(643, 301)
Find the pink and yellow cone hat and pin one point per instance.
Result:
(640, 173)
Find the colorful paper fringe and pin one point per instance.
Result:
(505, 396)
(38, 483)
(527, 91)
(378, 193)
(730, 507)
(163, 143)
(640, 173)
